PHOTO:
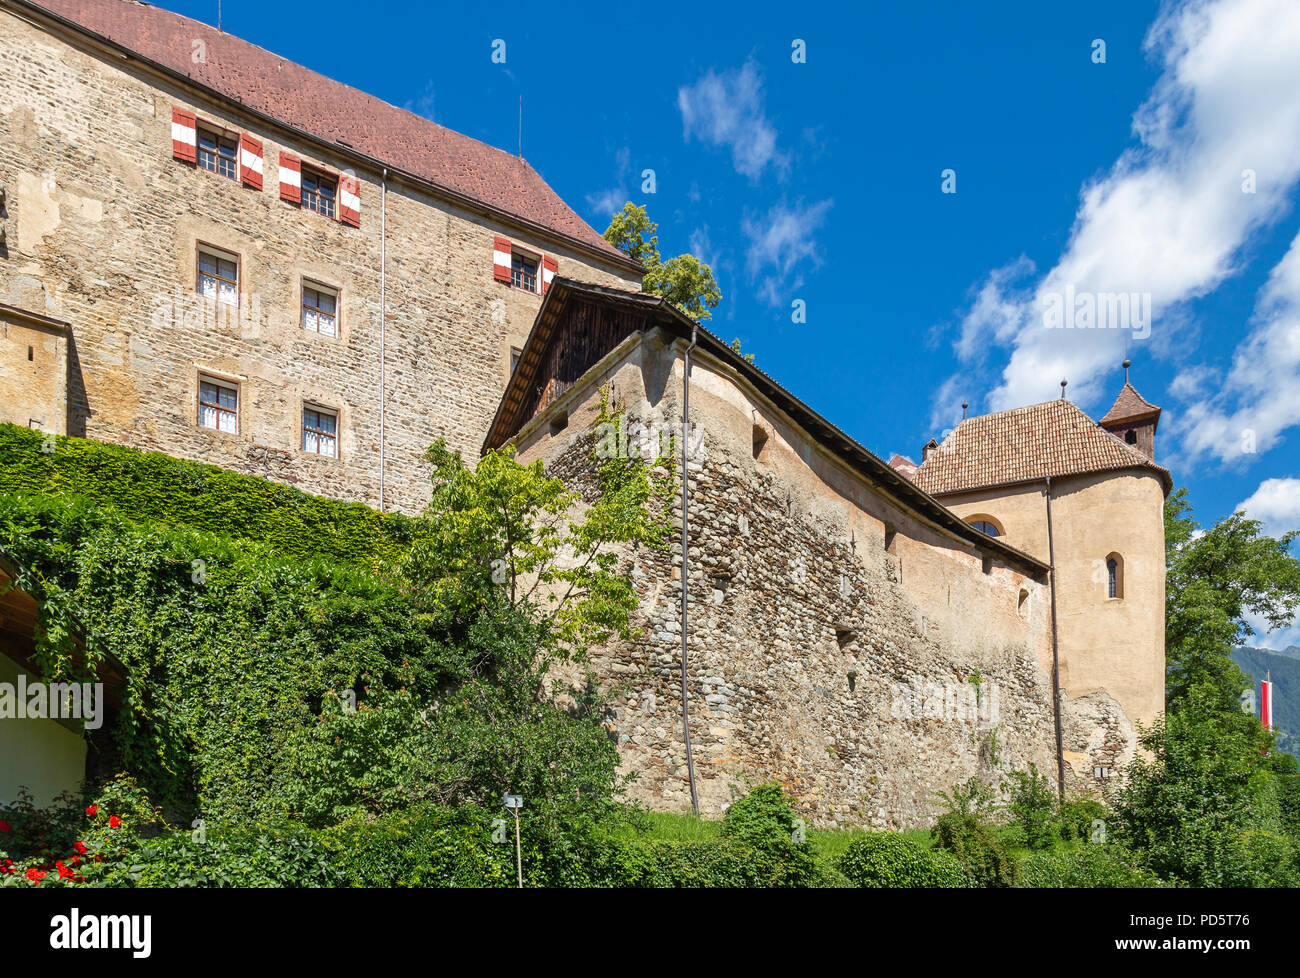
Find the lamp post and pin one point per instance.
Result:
(514, 803)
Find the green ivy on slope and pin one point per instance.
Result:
(227, 660)
(156, 489)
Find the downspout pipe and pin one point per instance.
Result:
(1056, 660)
(383, 327)
(686, 438)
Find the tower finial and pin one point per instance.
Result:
(964, 405)
(1127, 364)
(1063, 383)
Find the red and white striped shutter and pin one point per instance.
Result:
(290, 178)
(549, 267)
(501, 259)
(184, 144)
(250, 162)
(350, 200)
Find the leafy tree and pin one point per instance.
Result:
(1186, 805)
(1215, 578)
(685, 281)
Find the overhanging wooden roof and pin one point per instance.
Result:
(659, 312)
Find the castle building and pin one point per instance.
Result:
(864, 633)
(1087, 497)
(215, 253)
(212, 252)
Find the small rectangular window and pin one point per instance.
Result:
(217, 152)
(515, 354)
(218, 276)
(218, 405)
(319, 192)
(320, 431)
(320, 309)
(523, 272)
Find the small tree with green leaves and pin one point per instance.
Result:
(685, 281)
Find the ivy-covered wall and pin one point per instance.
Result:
(154, 488)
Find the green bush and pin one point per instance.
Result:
(764, 821)
(886, 859)
(977, 848)
(1077, 815)
(1033, 807)
(1100, 866)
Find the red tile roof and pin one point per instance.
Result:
(1129, 405)
(903, 465)
(330, 111)
(1027, 444)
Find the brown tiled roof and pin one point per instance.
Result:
(903, 465)
(332, 112)
(1130, 404)
(1025, 445)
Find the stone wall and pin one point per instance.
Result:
(102, 228)
(818, 658)
(33, 372)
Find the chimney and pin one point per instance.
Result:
(930, 446)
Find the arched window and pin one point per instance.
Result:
(986, 525)
(1114, 576)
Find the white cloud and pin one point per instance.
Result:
(779, 243)
(604, 203)
(1260, 398)
(1276, 504)
(1169, 218)
(727, 110)
(607, 202)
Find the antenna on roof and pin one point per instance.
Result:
(218, 14)
(1127, 364)
(1063, 383)
(521, 127)
(963, 410)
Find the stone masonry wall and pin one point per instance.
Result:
(787, 602)
(102, 229)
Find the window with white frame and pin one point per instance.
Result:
(217, 152)
(523, 271)
(218, 275)
(320, 431)
(320, 309)
(218, 405)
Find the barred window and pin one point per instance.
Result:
(217, 152)
(320, 309)
(218, 276)
(320, 431)
(319, 192)
(218, 405)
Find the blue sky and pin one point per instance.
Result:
(822, 181)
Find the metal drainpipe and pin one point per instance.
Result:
(383, 326)
(686, 437)
(1056, 662)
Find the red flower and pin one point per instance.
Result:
(114, 821)
(76, 860)
(35, 875)
(6, 827)
(80, 848)
(92, 810)
(99, 858)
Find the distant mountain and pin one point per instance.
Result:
(1285, 667)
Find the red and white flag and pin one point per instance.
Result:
(1266, 702)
